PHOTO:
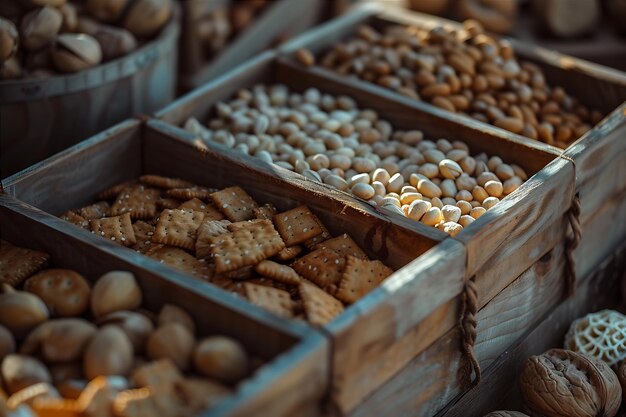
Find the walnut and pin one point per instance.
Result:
(601, 335)
(562, 383)
(505, 413)
(621, 375)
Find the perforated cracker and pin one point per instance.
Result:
(323, 266)
(206, 230)
(235, 203)
(266, 211)
(297, 225)
(138, 200)
(178, 228)
(95, 211)
(233, 227)
(320, 307)
(360, 277)
(164, 203)
(209, 210)
(75, 218)
(240, 274)
(311, 244)
(272, 299)
(118, 229)
(17, 264)
(181, 260)
(164, 182)
(143, 236)
(112, 192)
(188, 193)
(245, 247)
(343, 245)
(278, 272)
(289, 253)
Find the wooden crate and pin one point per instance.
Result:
(504, 244)
(280, 18)
(40, 117)
(296, 372)
(598, 155)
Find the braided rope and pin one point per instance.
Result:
(468, 323)
(571, 243)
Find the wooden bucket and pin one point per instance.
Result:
(40, 117)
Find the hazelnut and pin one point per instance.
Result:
(7, 343)
(106, 10)
(115, 42)
(136, 326)
(114, 291)
(10, 69)
(40, 28)
(8, 39)
(173, 341)
(60, 340)
(21, 311)
(221, 358)
(76, 52)
(70, 17)
(21, 371)
(146, 17)
(65, 292)
(174, 314)
(108, 353)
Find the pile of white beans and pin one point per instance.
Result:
(328, 139)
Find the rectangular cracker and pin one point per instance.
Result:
(245, 247)
(277, 301)
(118, 229)
(235, 203)
(297, 225)
(324, 267)
(209, 210)
(343, 245)
(316, 240)
(360, 277)
(240, 274)
(178, 228)
(188, 193)
(208, 229)
(164, 182)
(320, 307)
(164, 203)
(95, 211)
(17, 264)
(233, 227)
(181, 260)
(138, 200)
(143, 236)
(75, 218)
(266, 211)
(289, 253)
(278, 272)
(227, 284)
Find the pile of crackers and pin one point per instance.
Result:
(286, 262)
(35, 384)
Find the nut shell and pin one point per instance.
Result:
(70, 17)
(146, 17)
(221, 358)
(106, 10)
(65, 292)
(21, 371)
(76, 52)
(562, 383)
(21, 311)
(8, 39)
(40, 28)
(115, 42)
(108, 353)
(7, 343)
(173, 341)
(173, 314)
(137, 326)
(115, 291)
(60, 340)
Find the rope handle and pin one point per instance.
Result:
(468, 324)
(571, 243)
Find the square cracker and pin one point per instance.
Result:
(188, 193)
(17, 264)
(320, 307)
(297, 225)
(323, 266)
(178, 228)
(206, 230)
(311, 244)
(164, 182)
(289, 253)
(278, 272)
(235, 203)
(118, 229)
(209, 210)
(245, 247)
(266, 211)
(168, 203)
(95, 211)
(277, 301)
(143, 235)
(75, 218)
(360, 277)
(343, 245)
(181, 260)
(138, 200)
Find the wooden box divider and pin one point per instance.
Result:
(296, 374)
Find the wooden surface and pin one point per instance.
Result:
(297, 372)
(499, 388)
(42, 117)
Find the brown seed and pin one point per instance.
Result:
(305, 57)
(510, 123)
(440, 89)
(443, 103)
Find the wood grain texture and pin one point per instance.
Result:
(42, 117)
(499, 388)
(437, 375)
(297, 372)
